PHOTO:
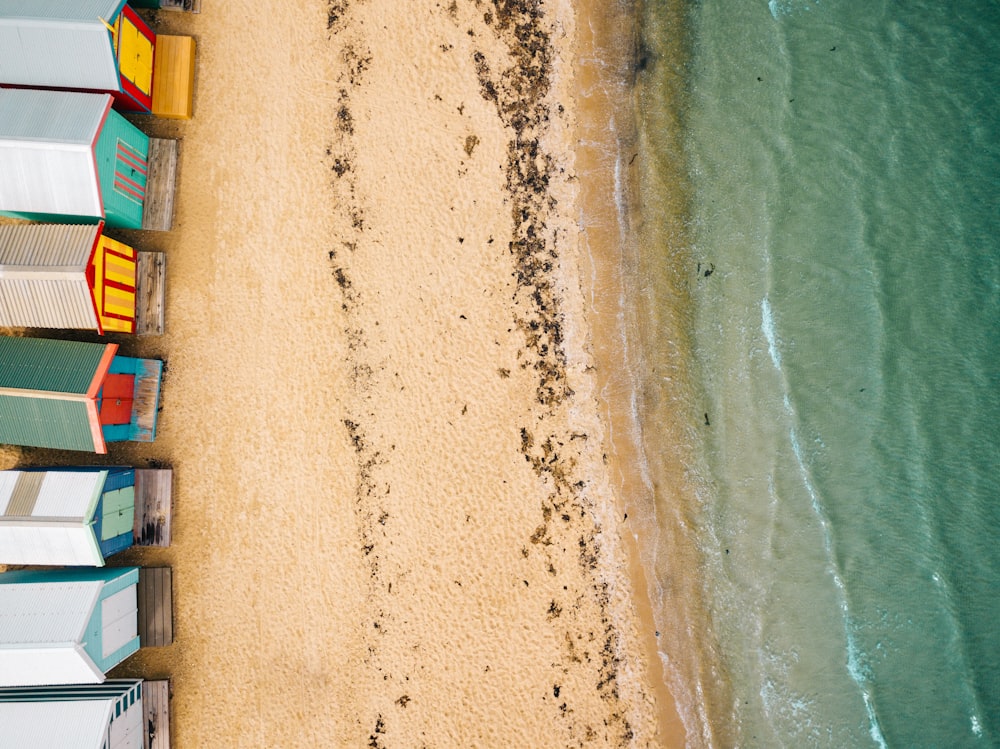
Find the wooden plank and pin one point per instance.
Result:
(156, 708)
(150, 277)
(143, 606)
(156, 607)
(146, 401)
(189, 6)
(173, 77)
(153, 504)
(161, 181)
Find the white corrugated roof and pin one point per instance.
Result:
(68, 495)
(59, 43)
(55, 246)
(35, 300)
(46, 160)
(46, 612)
(64, 724)
(49, 544)
(56, 117)
(64, 10)
(43, 275)
(8, 479)
(41, 630)
(29, 667)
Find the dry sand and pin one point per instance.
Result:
(394, 524)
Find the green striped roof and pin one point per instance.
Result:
(40, 422)
(44, 364)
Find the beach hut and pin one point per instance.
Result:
(73, 276)
(67, 626)
(96, 45)
(78, 716)
(81, 515)
(67, 157)
(75, 396)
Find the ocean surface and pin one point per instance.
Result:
(819, 186)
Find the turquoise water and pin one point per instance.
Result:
(843, 266)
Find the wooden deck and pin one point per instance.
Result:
(191, 6)
(161, 181)
(150, 277)
(146, 400)
(156, 607)
(156, 706)
(173, 77)
(153, 488)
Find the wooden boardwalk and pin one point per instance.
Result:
(161, 181)
(150, 277)
(153, 490)
(156, 607)
(156, 706)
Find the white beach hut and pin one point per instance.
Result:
(66, 626)
(80, 716)
(72, 517)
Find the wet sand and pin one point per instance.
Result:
(394, 519)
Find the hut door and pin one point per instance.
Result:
(118, 512)
(116, 399)
(135, 56)
(120, 620)
(114, 285)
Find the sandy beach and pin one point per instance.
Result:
(395, 519)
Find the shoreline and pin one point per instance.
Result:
(671, 424)
(608, 133)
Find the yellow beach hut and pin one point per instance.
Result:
(72, 276)
(96, 45)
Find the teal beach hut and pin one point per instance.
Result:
(75, 396)
(68, 626)
(68, 157)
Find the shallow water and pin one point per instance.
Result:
(830, 216)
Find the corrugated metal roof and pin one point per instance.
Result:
(51, 246)
(64, 495)
(43, 275)
(8, 480)
(64, 304)
(66, 724)
(47, 664)
(37, 422)
(48, 365)
(51, 116)
(110, 689)
(60, 54)
(49, 544)
(64, 10)
(37, 613)
(46, 161)
(68, 494)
